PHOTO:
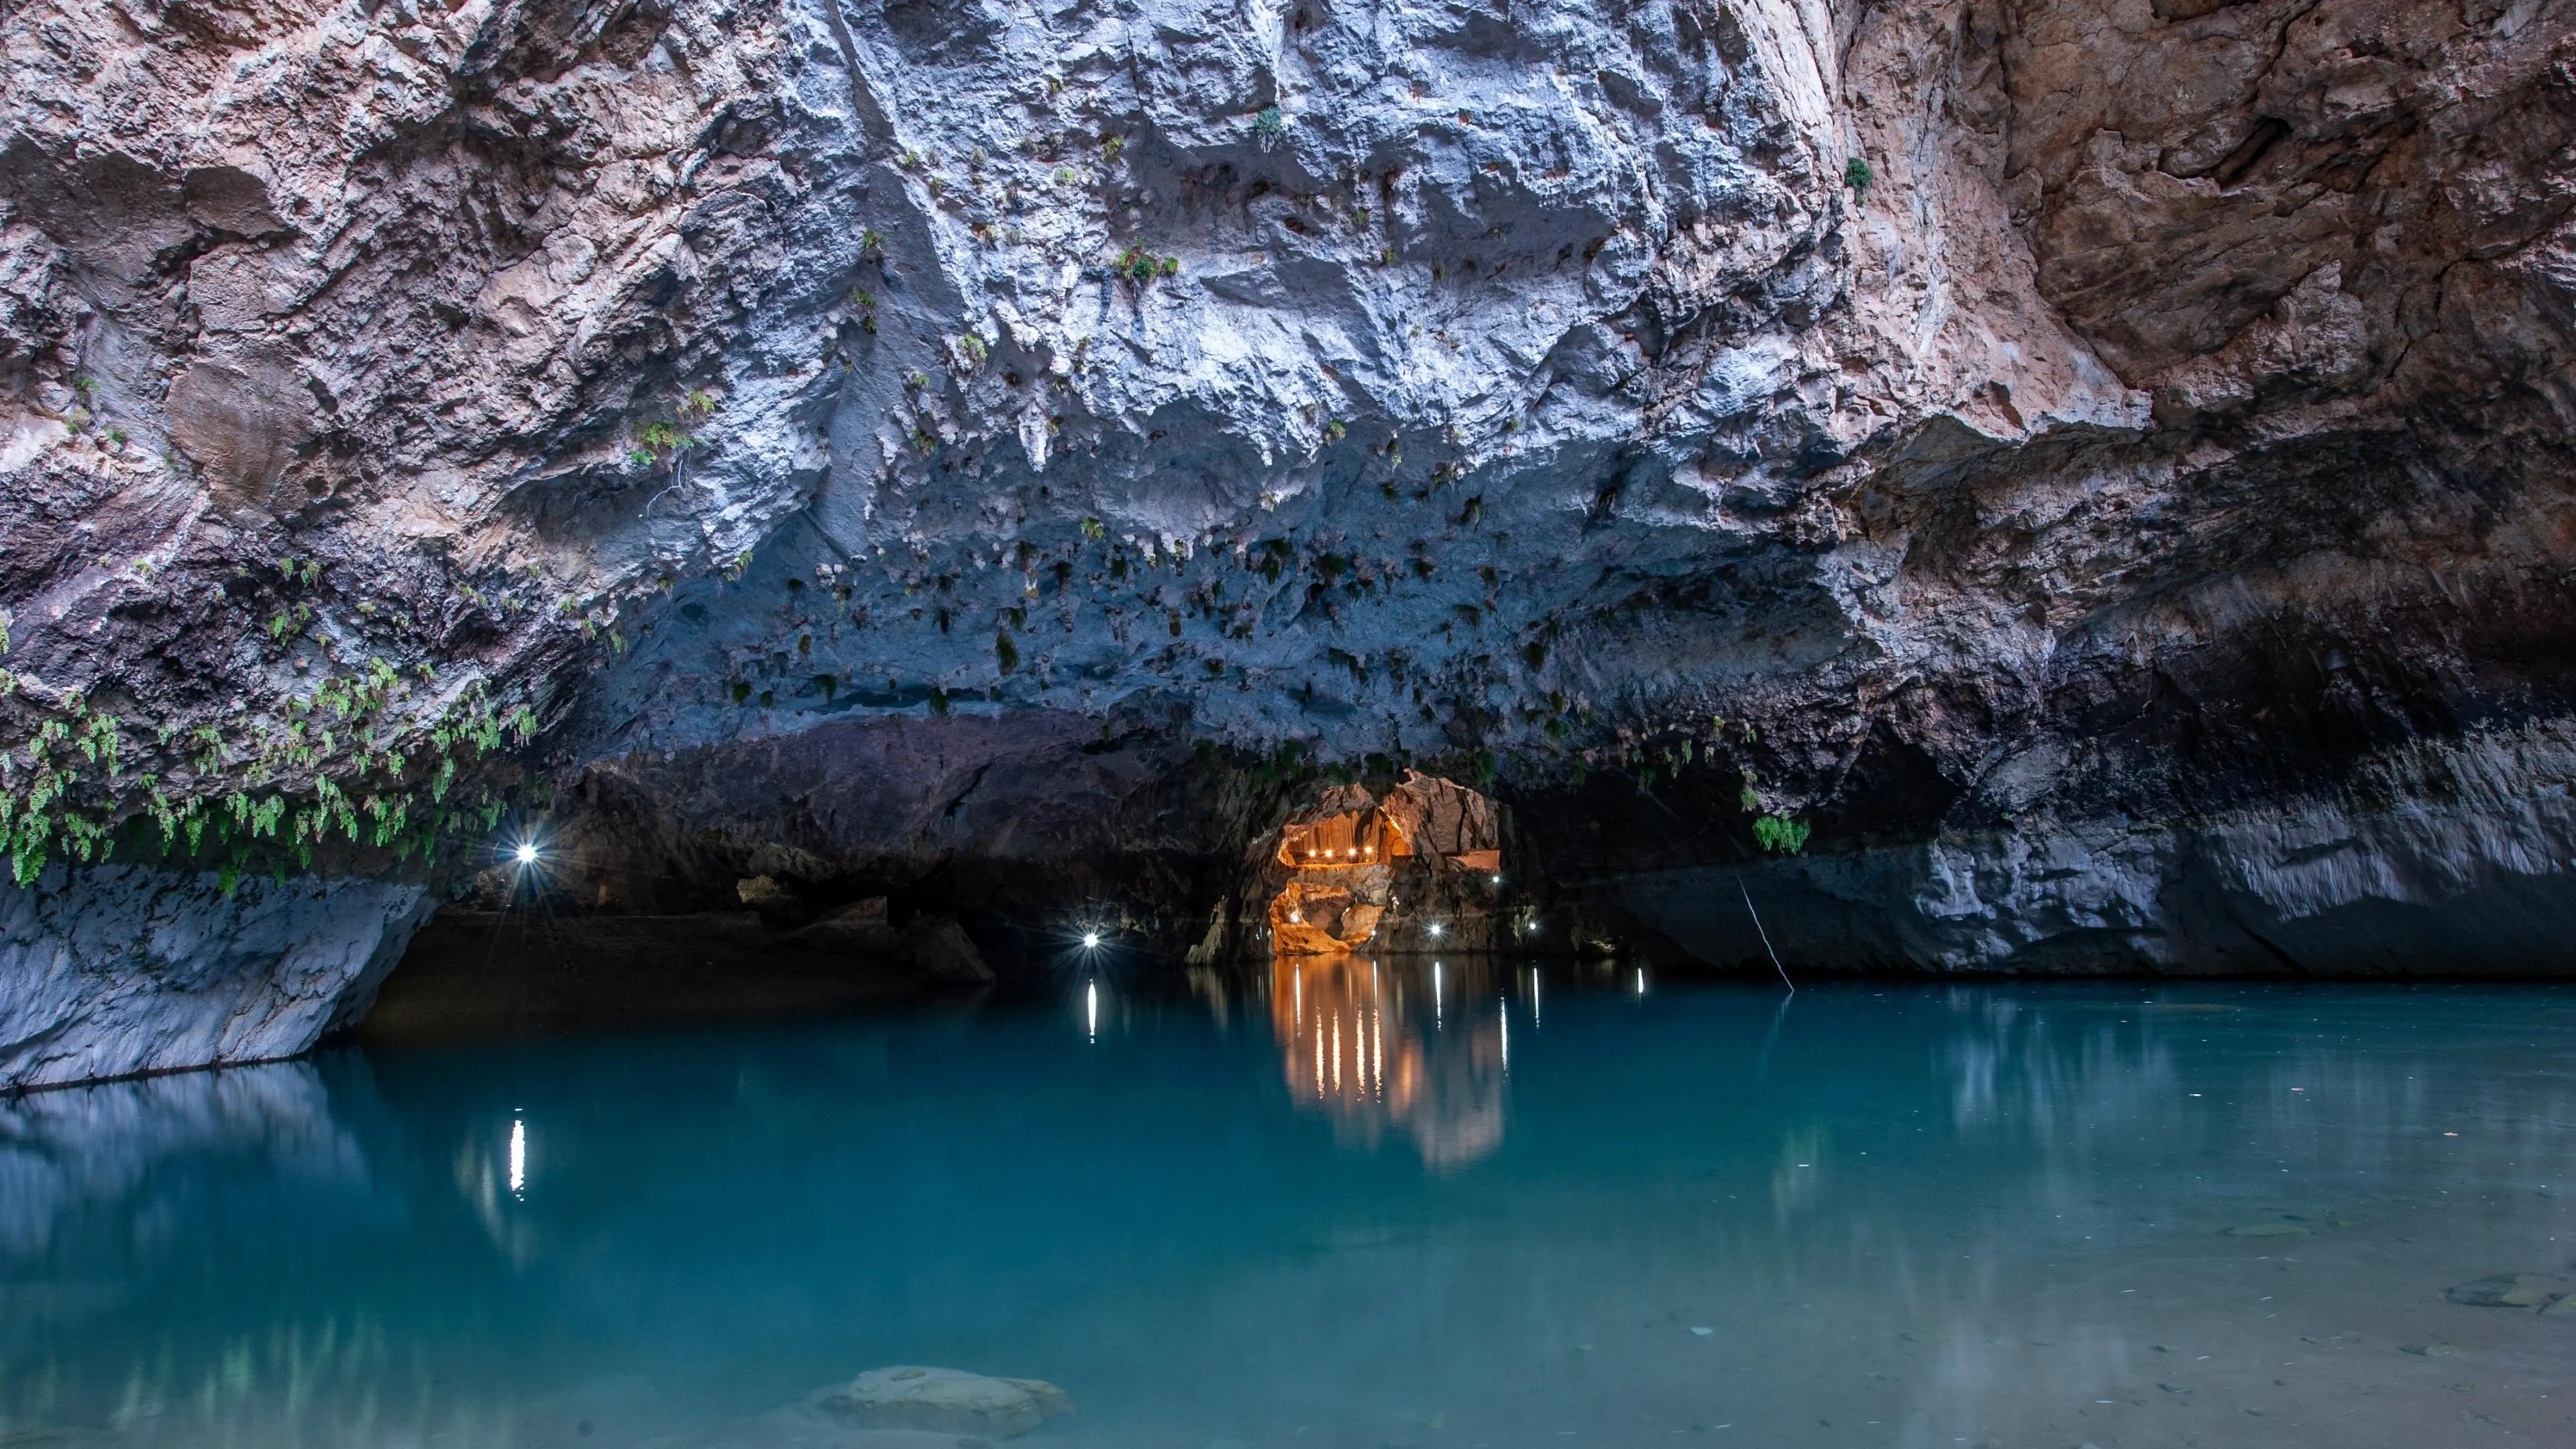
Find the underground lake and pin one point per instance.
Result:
(1347, 1202)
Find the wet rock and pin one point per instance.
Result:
(931, 949)
(110, 971)
(2504, 1290)
(2268, 1230)
(937, 950)
(859, 929)
(940, 1400)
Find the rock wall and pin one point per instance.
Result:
(1929, 424)
(112, 971)
(2462, 862)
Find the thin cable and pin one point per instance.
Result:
(1766, 937)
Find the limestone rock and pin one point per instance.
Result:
(108, 971)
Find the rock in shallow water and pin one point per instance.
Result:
(2504, 1290)
(947, 1401)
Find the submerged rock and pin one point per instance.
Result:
(800, 1428)
(2504, 1290)
(947, 1401)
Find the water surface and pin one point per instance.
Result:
(1343, 1206)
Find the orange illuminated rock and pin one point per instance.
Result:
(1410, 872)
(1310, 918)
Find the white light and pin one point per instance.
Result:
(1435, 928)
(518, 1157)
(527, 852)
(1091, 1007)
(1498, 880)
(1091, 940)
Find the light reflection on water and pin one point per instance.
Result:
(1375, 1208)
(1439, 1082)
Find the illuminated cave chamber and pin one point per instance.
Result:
(1420, 870)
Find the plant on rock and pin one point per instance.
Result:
(1138, 266)
(1781, 836)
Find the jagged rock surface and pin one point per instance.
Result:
(2013, 421)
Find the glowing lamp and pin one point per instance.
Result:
(527, 852)
(1091, 940)
(1435, 928)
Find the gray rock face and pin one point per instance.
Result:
(2468, 866)
(107, 971)
(2007, 437)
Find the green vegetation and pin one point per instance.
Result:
(1856, 175)
(353, 758)
(662, 437)
(1779, 836)
(1270, 126)
(1139, 267)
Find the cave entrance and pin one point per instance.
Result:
(1420, 870)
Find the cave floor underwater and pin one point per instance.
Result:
(1343, 1201)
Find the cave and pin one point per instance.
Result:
(1420, 870)
(1059, 704)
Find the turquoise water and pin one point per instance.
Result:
(1342, 1206)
